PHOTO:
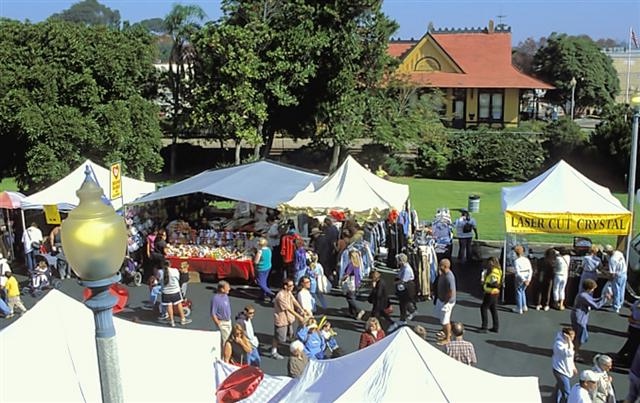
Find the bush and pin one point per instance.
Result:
(563, 137)
(480, 155)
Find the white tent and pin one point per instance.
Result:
(562, 200)
(264, 183)
(402, 367)
(266, 390)
(351, 187)
(49, 355)
(63, 192)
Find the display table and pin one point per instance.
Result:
(222, 269)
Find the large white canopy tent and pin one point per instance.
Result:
(49, 354)
(63, 192)
(264, 183)
(351, 187)
(562, 200)
(402, 367)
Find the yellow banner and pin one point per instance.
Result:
(116, 181)
(51, 214)
(567, 223)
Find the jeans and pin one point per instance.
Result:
(490, 302)
(562, 388)
(464, 251)
(253, 358)
(521, 296)
(30, 260)
(619, 285)
(354, 309)
(261, 278)
(4, 308)
(320, 298)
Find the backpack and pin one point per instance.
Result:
(467, 227)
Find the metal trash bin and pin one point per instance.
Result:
(474, 203)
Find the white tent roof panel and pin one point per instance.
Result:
(63, 192)
(561, 189)
(264, 183)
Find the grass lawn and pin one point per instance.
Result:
(427, 195)
(8, 184)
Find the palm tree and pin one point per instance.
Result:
(180, 23)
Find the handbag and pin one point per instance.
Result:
(349, 285)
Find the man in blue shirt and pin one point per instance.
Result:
(221, 310)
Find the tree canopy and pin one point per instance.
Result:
(90, 12)
(564, 57)
(70, 92)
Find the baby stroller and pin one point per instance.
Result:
(41, 279)
(131, 272)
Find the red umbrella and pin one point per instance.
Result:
(10, 200)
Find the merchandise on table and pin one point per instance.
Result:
(206, 251)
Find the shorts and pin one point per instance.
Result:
(282, 333)
(443, 311)
(171, 299)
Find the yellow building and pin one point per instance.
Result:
(473, 69)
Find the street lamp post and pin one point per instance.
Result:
(573, 83)
(94, 239)
(635, 105)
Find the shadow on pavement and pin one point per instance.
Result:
(513, 345)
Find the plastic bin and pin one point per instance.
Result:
(474, 203)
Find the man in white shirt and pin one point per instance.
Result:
(581, 392)
(31, 240)
(245, 319)
(466, 227)
(618, 272)
(523, 278)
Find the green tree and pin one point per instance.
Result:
(612, 137)
(154, 25)
(565, 57)
(523, 53)
(563, 137)
(181, 23)
(69, 92)
(90, 12)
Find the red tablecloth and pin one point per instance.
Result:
(221, 268)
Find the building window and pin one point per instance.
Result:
(490, 106)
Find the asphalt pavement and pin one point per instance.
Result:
(522, 348)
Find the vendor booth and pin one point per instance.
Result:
(224, 242)
(63, 192)
(49, 355)
(353, 188)
(401, 367)
(563, 201)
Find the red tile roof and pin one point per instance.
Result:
(485, 60)
(397, 49)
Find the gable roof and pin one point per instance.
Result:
(485, 59)
(399, 48)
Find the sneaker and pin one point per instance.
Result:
(483, 330)
(173, 324)
(185, 321)
(276, 356)
(9, 316)
(360, 315)
(525, 308)
(538, 307)
(410, 316)
(546, 308)
(516, 310)
(493, 330)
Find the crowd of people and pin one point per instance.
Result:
(337, 259)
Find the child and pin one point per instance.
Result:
(40, 275)
(13, 295)
(330, 337)
(155, 291)
(184, 278)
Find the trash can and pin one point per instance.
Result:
(474, 203)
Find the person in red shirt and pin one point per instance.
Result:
(372, 333)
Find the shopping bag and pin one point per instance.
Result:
(348, 285)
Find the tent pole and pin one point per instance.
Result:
(8, 223)
(504, 267)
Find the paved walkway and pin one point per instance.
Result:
(522, 348)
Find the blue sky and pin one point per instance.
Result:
(528, 18)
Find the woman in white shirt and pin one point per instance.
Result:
(560, 275)
(171, 295)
